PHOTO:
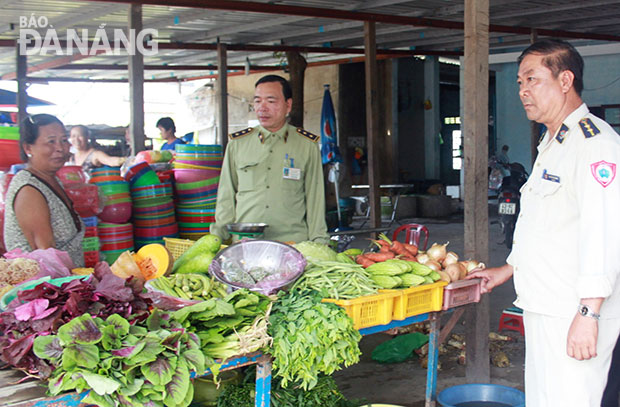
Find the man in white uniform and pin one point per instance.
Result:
(566, 256)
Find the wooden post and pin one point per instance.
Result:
(372, 122)
(222, 91)
(22, 95)
(136, 84)
(475, 130)
(297, 72)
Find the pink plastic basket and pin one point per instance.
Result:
(460, 293)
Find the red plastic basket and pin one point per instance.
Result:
(91, 258)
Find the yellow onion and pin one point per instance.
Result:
(451, 258)
(433, 265)
(422, 258)
(472, 265)
(456, 271)
(437, 252)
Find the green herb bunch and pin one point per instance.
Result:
(309, 338)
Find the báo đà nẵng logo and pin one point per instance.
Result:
(38, 37)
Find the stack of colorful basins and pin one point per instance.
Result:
(153, 208)
(115, 238)
(115, 191)
(197, 174)
(115, 234)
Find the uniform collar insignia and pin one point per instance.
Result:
(261, 137)
(240, 133)
(561, 134)
(308, 135)
(588, 128)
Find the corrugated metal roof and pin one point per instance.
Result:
(201, 25)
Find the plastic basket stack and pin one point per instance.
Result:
(115, 238)
(91, 244)
(197, 169)
(9, 147)
(115, 192)
(153, 207)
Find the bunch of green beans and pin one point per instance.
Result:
(337, 280)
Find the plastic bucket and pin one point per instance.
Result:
(481, 394)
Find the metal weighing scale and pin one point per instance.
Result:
(240, 231)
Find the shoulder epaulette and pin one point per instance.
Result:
(240, 133)
(588, 128)
(308, 135)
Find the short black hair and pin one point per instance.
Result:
(286, 87)
(559, 56)
(29, 130)
(505, 147)
(167, 123)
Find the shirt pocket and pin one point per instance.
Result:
(293, 186)
(549, 204)
(248, 174)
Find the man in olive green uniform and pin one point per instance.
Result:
(272, 173)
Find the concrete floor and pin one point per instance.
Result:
(403, 384)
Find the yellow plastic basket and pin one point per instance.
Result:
(369, 310)
(417, 300)
(177, 246)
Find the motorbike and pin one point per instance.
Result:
(509, 200)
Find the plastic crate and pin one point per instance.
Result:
(90, 221)
(461, 292)
(90, 244)
(91, 231)
(91, 258)
(369, 310)
(177, 246)
(417, 300)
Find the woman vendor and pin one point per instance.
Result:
(86, 154)
(38, 212)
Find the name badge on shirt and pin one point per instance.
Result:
(550, 177)
(291, 173)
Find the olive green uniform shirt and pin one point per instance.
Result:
(275, 178)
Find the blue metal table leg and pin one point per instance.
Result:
(433, 358)
(263, 382)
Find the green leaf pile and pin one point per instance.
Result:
(221, 323)
(310, 337)
(123, 365)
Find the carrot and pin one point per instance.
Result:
(364, 261)
(398, 248)
(413, 249)
(378, 257)
(384, 249)
(409, 258)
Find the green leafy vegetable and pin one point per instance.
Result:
(123, 365)
(310, 337)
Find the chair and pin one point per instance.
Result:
(413, 232)
(512, 319)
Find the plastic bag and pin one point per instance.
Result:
(399, 349)
(87, 201)
(54, 263)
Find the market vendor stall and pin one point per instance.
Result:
(98, 339)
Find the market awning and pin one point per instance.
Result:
(9, 99)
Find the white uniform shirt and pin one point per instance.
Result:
(567, 239)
